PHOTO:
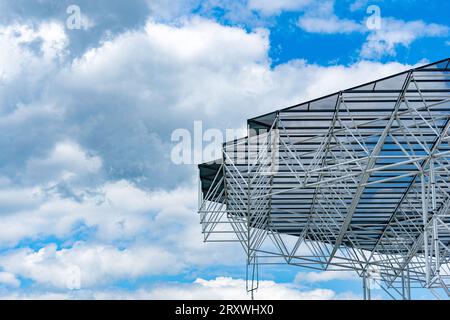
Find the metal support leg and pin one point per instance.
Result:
(252, 276)
(435, 237)
(366, 287)
(425, 232)
(406, 285)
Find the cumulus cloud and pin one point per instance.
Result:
(9, 279)
(122, 99)
(115, 210)
(91, 264)
(217, 288)
(65, 162)
(50, 38)
(394, 32)
(154, 233)
(234, 289)
(381, 41)
(325, 276)
(89, 163)
(322, 19)
(104, 124)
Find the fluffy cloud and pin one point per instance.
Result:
(61, 210)
(152, 233)
(123, 140)
(322, 19)
(8, 279)
(86, 145)
(395, 32)
(325, 276)
(67, 161)
(229, 288)
(380, 41)
(328, 25)
(122, 100)
(218, 288)
(50, 38)
(86, 265)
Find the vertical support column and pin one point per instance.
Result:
(406, 285)
(437, 262)
(433, 186)
(425, 231)
(252, 284)
(249, 253)
(403, 286)
(408, 292)
(435, 226)
(252, 261)
(366, 286)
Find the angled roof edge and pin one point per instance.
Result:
(273, 113)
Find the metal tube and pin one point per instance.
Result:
(425, 232)
(433, 185)
(436, 247)
(364, 286)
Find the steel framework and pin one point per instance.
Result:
(357, 180)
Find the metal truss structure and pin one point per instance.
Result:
(356, 180)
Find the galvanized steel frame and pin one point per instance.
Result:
(357, 180)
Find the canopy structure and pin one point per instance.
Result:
(359, 180)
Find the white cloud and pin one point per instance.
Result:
(121, 100)
(328, 25)
(395, 32)
(358, 4)
(160, 230)
(379, 41)
(220, 288)
(224, 77)
(317, 80)
(322, 19)
(116, 210)
(65, 161)
(54, 39)
(9, 279)
(324, 276)
(50, 36)
(229, 288)
(13, 200)
(118, 104)
(91, 264)
(269, 7)
(197, 70)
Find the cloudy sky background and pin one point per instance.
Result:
(86, 181)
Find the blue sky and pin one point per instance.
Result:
(91, 205)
